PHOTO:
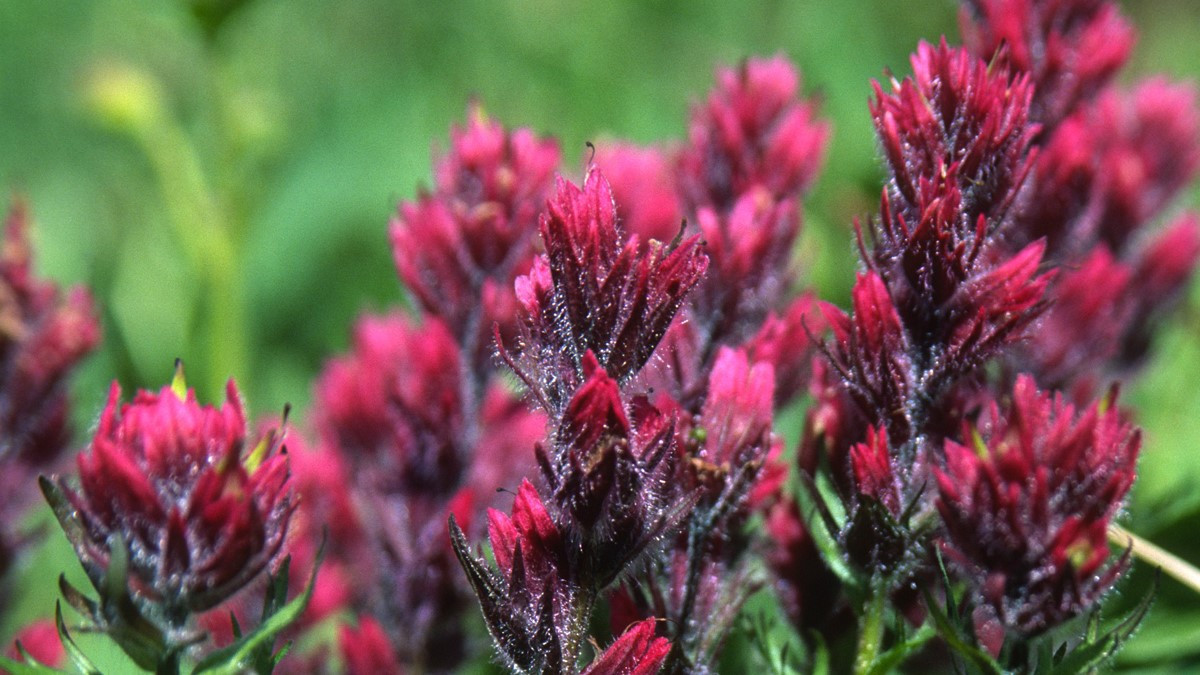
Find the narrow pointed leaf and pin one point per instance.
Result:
(28, 667)
(233, 660)
(81, 661)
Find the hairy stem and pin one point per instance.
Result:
(871, 637)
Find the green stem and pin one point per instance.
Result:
(206, 236)
(226, 330)
(871, 637)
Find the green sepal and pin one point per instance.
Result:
(953, 637)
(179, 381)
(67, 519)
(78, 601)
(264, 658)
(945, 628)
(124, 622)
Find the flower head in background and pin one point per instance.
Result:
(458, 248)
(366, 649)
(43, 336)
(644, 188)
(753, 131)
(1070, 48)
(394, 408)
(754, 149)
(39, 641)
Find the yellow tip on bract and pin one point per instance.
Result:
(1079, 552)
(256, 456)
(977, 441)
(1106, 402)
(179, 382)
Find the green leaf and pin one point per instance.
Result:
(1097, 649)
(138, 637)
(27, 667)
(828, 493)
(823, 527)
(887, 661)
(233, 660)
(776, 648)
(820, 651)
(1086, 657)
(82, 662)
(945, 628)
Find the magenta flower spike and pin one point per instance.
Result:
(959, 122)
(596, 290)
(942, 295)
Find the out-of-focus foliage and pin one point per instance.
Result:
(221, 174)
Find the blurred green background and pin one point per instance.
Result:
(221, 173)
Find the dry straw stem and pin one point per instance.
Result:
(1173, 565)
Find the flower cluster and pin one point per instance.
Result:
(1107, 174)
(593, 291)
(1069, 48)
(596, 307)
(198, 515)
(577, 420)
(1111, 161)
(754, 148)
(939, 297)
(1018, 181)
